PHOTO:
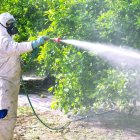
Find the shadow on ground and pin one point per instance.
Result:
(116, 120)
(109, 126)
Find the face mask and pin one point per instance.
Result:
(11, 29)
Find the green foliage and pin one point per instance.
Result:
(83, 80)
(29, 15)
(30, 20)
(120, 23)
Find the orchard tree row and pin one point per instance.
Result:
(83, 80)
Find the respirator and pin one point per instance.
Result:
(11, 27)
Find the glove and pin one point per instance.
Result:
(3, 113)
(40, 41)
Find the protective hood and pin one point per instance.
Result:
(4, 17)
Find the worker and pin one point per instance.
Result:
(10, 72)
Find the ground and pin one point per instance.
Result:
(113, 125)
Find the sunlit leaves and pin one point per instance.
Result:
(83, 80)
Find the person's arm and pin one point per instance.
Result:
(14, 48)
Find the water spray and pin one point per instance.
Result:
(102, 50)
(124, 56)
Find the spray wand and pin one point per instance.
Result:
(54, 39)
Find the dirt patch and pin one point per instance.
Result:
(110, 126)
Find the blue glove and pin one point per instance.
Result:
(3, 113)
(40, 41)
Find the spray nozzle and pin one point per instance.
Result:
(56, 39)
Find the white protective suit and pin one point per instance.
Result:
(9, 77)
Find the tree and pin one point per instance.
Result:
(83, 80)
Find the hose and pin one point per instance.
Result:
(36, 115)
(66, 124)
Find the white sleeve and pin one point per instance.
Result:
(11, 47)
